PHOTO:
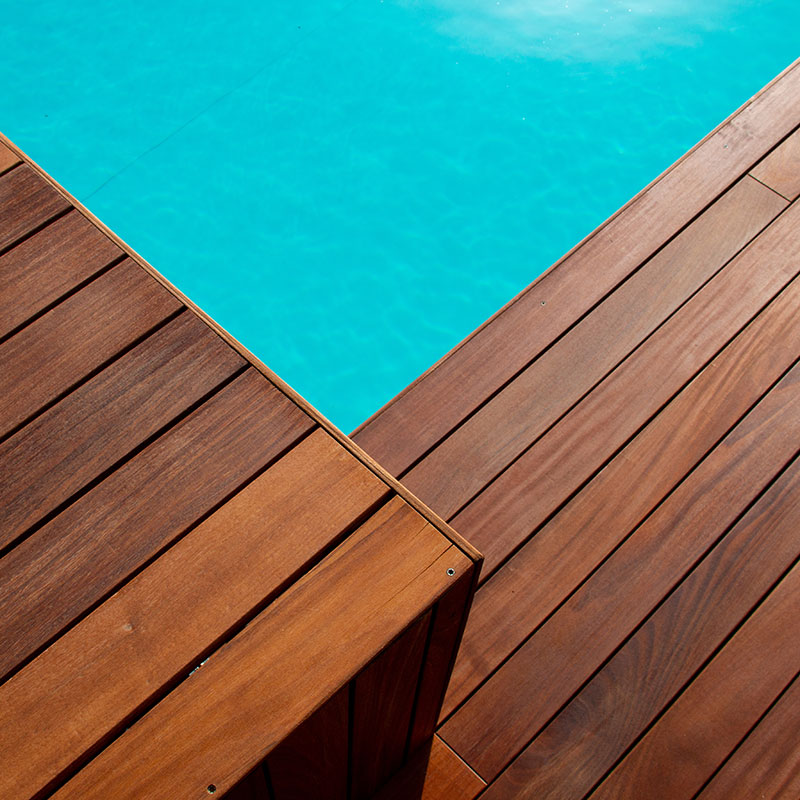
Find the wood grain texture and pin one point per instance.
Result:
(767, 764)
(160, 624)
(95, 426)
(312, 762)
(683, 749)
(503, 516)
(434, 772)
(59, 349)
(430, 408)
(26, 201)
(233, 711)
(8, 158)
(81, 555)
(383, 704)
(592, 733)
(567, 548)
(484, 445)
(497, 722)
(780, 170)
(49, 264)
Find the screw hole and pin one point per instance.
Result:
(211, 788)
(544, 302)
(451, 572)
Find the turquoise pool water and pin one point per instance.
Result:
(352, 187)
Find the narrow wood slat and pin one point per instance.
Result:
(767, 764)
(412, 423)
(72, 443)
(234, 710)
(164, 620)
(49, 264)
(587, 738)
(8, 158)
(26, 201)
(485, 444)
(312, 761)
(80, 556)
(683, 749)
(383, 704)
(503, 516)
(59, 349)
(537, 579)
(493, 726)
(434, 773)
(780, 170)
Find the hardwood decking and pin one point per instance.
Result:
(621, 443)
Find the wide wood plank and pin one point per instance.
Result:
(168, 617)
(26, 201)
(215, 726)
(767, 764)
(684, 748)
(503, 516)
(471, 456)
(431, 407)
(43, 268)
(592, 733)
(493, 726)
(780, 170)
(568, 547)
(72, 443)
(8, 158)
(79, 335)
(85, 552)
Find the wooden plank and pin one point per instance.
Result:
(43, 268)
(215, 726)
(767, 763)
(493, 726)
(85, 552)
(489, 441)
(59, 349)
(541, 575)
(252, 787)
(72, 443)
(504, 515)
(431, 407)
(383, 705)
(780, 170)
(684, 748)
(312, 761)
(164, 621)
(26, 201)
(434, 773)
(8, 158)
(604, 719)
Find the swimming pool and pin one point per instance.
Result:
(351, 188)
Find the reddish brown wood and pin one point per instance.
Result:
(684, 748)
(43, 268)
(26, 201)
(252, 787)
(592, 733)
(540, 576)
(484, 445)
(85, 552)
(8, 158)
(780, 170)
(431, 407)
(101, 422)
(383, 704)
(493, 726)
(59, 349)
(313, 760)
(767, 763)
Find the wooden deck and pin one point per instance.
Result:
(166, 501)
(621, 443)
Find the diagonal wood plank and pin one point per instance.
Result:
(780, 170)
(81, 555)
(59, 349)
(493, 726)
(43, 268)
(8, 158)
(89, 431)
(541, 575)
